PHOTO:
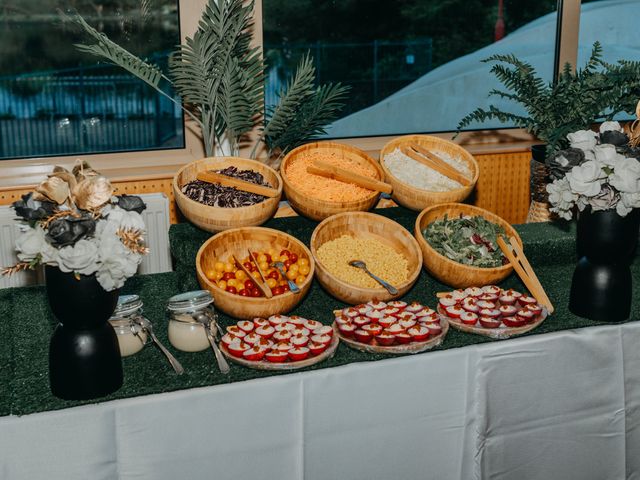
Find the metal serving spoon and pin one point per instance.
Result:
(360, 264)
(147, 327)
(292, 285)
(222, 362)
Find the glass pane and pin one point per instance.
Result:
(55, 100)
(613, 23)
(414, 65)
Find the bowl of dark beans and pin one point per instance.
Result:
(215, 207)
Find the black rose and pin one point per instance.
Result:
(131, 203)
(68, 230)
(32, 210)
(565, 160)
(613, 137)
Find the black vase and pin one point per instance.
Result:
(601, 288)
(84, 357)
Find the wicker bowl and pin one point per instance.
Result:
(237, 242)
(365, 225)
(418, 199)
(453, 273)
(216, 219)
(317, 209)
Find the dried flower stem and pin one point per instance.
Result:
(133, 239)
(59, 214)
(18, 267)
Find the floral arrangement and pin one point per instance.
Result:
(600, 170)
(74, 222)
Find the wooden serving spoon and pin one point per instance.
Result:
(431, 160)
(263, 287)
(214, 177)
(331, 171)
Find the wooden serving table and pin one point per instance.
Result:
(560, 402)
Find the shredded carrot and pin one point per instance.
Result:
(324, 188)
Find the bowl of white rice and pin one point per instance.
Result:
(415, 185)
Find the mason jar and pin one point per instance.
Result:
(131, 336)
(187, 312)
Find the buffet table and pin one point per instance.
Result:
(561, 402)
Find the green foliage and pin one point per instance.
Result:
(220, 79)
(117, 55)
(597, 92)
(321, 107)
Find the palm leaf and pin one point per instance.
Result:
(114, 53)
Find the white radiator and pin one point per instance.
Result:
(9, 231)
(156, 218)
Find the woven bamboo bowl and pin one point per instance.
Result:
(216, 219)
(317, 209)
(237, 242)
(418, 199)
(453, 273)
(365, 225)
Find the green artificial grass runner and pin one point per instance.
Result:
(27, 322)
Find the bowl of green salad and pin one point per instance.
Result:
(459, 244)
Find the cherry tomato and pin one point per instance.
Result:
(261, 258)
(274, 274)
(272, 282)
(222, 284)
(287, 264)
(233, 290)
(300, 279)
(285, 287)
(293, 257)
(304, 269)
(269, 258)
(228, 275)
(255, 292)
(249, 284)
(285, 252)
(277, 291)
(244, 292)
(247, 265)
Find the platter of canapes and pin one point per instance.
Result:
(394, 327)
(278, 342)
(491, 311)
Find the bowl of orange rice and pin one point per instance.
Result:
(319, 197)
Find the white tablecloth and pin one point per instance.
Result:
(556, 406)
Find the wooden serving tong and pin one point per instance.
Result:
(214, 177)
(261, 284)
(518, 260)
(331, 171)
(433, 161)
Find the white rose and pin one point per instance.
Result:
(30, 243)
(607, 126)
(583, 139)
(622, 209)
(631, 200)
(626, 175)
(585, 179)
(81, 257)
(606, 154)
(124, 219)
(117, 263)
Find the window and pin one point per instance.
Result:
(55, 100)
(413, 65)
(615, 25)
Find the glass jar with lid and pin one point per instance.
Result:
(187, 313)
(131, 336)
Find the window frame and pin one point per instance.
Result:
(151, 164)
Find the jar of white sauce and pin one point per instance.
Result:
(131, 336)
(187, 312)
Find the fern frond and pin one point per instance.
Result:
(115, 54)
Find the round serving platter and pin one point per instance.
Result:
(284, 366)
(496, 333)
(413, 347)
